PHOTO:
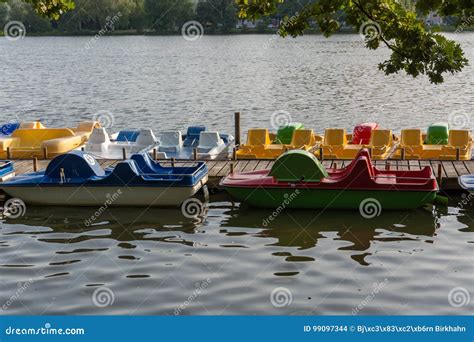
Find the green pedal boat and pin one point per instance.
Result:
(298, 180)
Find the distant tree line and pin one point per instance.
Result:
(133, 15)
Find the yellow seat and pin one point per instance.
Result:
(459, 140)
(32, 125)
(259, 146)
(35, 142)
(412, 143)
(381, 143)
(335, 145)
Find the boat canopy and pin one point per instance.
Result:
(298, 165)
(437, 134)
(75, 164)
(285, 133)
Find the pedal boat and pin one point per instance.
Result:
(6, 170)
(264, 145)
(298, 180)
(439, 143)
(337, 144)
(209, 145)
(102, 146)
(467, 182)
(25, 143)
(77, 179)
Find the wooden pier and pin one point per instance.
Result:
(449, 171)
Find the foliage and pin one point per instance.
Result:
(390, 23)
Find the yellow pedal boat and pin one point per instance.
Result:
(35, 140)
(439, 143)
(337, 144)
(263, 145)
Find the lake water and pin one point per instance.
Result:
(230, 261)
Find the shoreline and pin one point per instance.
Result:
(314, 31)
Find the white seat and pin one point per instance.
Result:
(146, 138)
(99, 141)
(171, 141)
(209, 140)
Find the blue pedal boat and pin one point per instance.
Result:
(6, 170)
(77, 179)
(209, 145)
(467, 182)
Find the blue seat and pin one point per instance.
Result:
(127, 136)
(147, 166)
(9, 128)
(192, 136)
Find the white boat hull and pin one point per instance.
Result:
(105, 196)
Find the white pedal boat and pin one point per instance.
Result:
(209, 145)
(102, 146)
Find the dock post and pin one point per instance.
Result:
(321, 155)
(9, 154)
(335, 166)
(124, 153)
(82, 149)
(440, 174)
(231, 168)
(173, 161)
(35, 164)
(195, 154)
(154, 154)
(458, 153)
(234, 153)
(402, 154)
(387, 166)
(237, 128)
(370, 152)
(45, 153)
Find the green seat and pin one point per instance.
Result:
(285, 133)
(437, 134)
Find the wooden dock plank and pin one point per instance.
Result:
(469, 164)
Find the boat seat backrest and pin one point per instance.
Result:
(34, 137)
(86, 126)
(127, 136)
(459, 137)
(172, 139)
(303, 137)
(335, 137)
(124, 171)
(99, 136)
(381, 137)
(148, 165)
(146, 137)
(209, 140)
(258, 136)
(32, 125)
(411, 137)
